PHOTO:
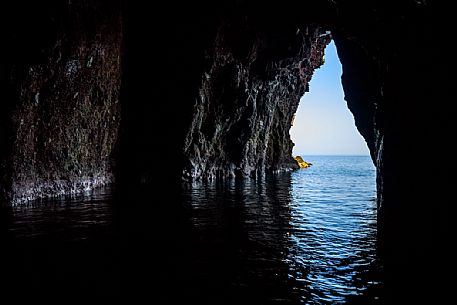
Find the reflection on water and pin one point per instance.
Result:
(78, 217)
(248, 223)
(59, 249)
(307, 237)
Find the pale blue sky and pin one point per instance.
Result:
(323, 124)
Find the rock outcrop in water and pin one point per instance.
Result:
(302, 163)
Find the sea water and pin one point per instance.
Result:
(305, 237)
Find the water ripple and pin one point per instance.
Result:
(63, 218)
(307, 237)
(311, 235)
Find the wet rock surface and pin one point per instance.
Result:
(63, 85)
(247, 99)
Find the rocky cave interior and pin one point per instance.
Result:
(144, 95)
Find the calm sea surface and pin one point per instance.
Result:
(306, 237)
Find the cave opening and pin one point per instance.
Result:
(337, 193)
(323, 124)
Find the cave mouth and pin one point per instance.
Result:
(337, 194)
(323, 124)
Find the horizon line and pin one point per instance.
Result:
(347, 155)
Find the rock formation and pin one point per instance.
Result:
(248, 97)
(302, 163)
(62, 77)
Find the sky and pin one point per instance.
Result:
(323, 124)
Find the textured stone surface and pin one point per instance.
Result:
(247, 98)
(64, 98)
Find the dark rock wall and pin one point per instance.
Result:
(197, 93)
(249, 92)
(62, 78)
(398, 86)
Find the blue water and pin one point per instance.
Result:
(306, 237)
(334, 228)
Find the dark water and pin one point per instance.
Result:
(307, 237)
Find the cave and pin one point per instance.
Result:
(98, 92)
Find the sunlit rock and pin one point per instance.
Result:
(302, 163)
